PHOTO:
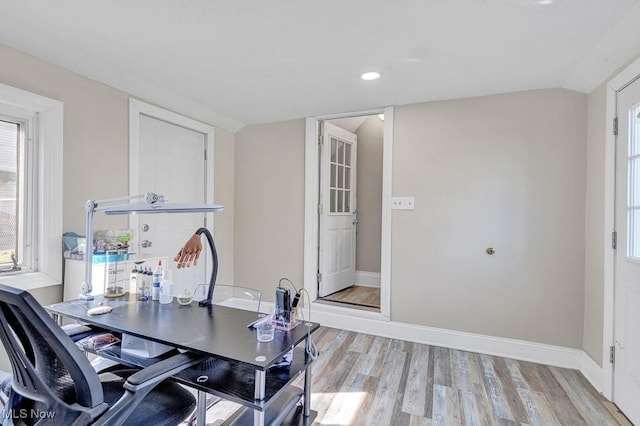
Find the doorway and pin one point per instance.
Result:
(169, 156)
(626, 356)
(365, 285)
(350, 220)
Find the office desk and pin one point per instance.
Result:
(241, 370)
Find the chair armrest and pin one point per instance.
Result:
(162, 370)
(139, 384)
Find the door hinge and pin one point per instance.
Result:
(320, 139)
(319, 277)
(614, 240)
(205, 155)
(320, 209)
(612, 354)
(615, 126)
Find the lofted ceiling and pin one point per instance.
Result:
(238, 62)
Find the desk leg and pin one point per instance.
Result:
(201, 409)
(307, 391)
(259, 394)
(258, 418)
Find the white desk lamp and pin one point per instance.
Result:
(152, 204)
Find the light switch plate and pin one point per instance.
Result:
(402, 203)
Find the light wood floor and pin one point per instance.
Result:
(357, 295)
(361, 379)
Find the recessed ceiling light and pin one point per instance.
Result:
(371, 75)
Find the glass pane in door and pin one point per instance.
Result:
(633, 185)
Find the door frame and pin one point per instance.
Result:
(311, 193)
(619, 82)
(137, 109)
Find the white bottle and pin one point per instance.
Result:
(157, 278)
(133, 281)
(166, 287)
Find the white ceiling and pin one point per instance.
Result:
(237, 62)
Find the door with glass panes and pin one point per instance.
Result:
(338, 220)
(626, 392)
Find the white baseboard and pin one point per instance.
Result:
(592, 372)
(368, 279)
(373, 323)
(509, 348)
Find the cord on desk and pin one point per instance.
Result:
(311, 348)
(310, 345)
(288, 280)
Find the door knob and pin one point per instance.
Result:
(355, 221)
(145, 227)
(145, 244)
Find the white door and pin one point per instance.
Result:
(627, 276)
(171, 161)
(337, 254)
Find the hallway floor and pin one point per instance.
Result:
(357, 295)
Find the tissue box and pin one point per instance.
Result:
(75, 243)
(142, 348)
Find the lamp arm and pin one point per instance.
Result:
(214, 267)
(91, 207)
(86, 288)
(149, 198)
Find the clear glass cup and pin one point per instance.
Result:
(265, 332)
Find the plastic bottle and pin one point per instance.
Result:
(147, 282)
(166, 287)
(140, 276)
(133, 281)
(157, 279)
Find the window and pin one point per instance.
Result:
(30, 189)
(11, 180)
(341, 170)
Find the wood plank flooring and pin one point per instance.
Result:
(357, 295)
(361, 379)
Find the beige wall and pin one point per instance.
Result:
(504, 171)
(594, 226)
(96, 146)
(224, 194)
(269, 205)
(95, 133)
(369, 194)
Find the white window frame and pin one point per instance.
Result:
(48, 116)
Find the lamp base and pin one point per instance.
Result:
(204, 303)
(85, 291)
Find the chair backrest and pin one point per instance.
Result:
(51, 375)
(231, 295)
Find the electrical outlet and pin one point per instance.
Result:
(402, 203)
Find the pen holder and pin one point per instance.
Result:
(286, 320)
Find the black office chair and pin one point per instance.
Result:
(54, 383)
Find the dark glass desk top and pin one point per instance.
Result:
(217, 330)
